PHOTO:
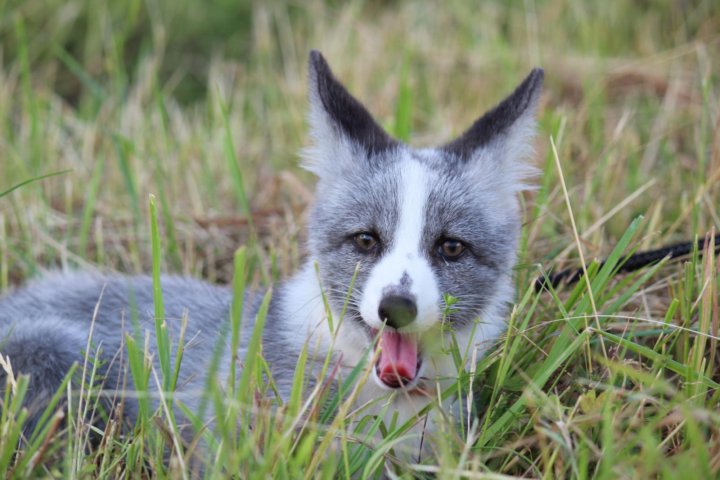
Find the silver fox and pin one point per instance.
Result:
(409, 228)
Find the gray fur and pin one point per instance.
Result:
(470, 197)
(44, 328)
(368, 202)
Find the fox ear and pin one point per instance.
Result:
(340, 126)
(504, 134)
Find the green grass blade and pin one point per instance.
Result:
(403, 105)
(33, 179)
(236, 311)
(244, 392)
(161, 330)
(662, 360)
(553, 362)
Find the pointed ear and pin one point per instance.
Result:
(339, 124)
(505, 133)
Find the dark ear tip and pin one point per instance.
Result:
(535, 79)
(316, 60)
(501, 118)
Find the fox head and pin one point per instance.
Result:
(410, 228)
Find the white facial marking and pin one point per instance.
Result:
(405, 257)
(306, 320)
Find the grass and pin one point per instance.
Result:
(104, 103)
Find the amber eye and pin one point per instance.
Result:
(365, 241)
(451, 248)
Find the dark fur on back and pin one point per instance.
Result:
(44, 330)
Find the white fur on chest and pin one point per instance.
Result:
(306, 321)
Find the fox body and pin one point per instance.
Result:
(407, 228)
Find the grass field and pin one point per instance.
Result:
(202, 105)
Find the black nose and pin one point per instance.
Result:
(397, 310)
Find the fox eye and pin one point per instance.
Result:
(365, 241)
(451, 248)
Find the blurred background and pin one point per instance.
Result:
(202, 103)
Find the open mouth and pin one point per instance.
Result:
(399, 361)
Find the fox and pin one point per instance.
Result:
(409, 251)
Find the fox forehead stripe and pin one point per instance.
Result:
(407, 259)
(404, 265)
(414, 186)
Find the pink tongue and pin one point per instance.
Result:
(398, 359)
